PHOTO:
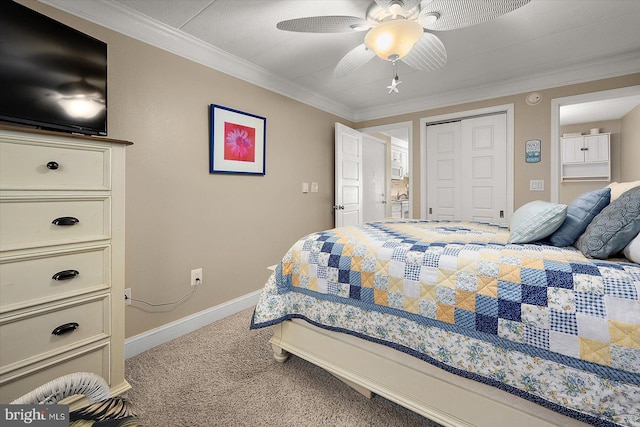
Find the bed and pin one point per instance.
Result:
(455, 322)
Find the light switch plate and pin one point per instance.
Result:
(314, 187)
(536, 185)
(305, 187)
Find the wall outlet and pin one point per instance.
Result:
(127, 296)
(196, 277)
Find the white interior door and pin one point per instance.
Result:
(484, 168)
(467, 170)
(443, 171)
(374, 161)
(348, 176)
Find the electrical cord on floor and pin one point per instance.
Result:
(185, 296)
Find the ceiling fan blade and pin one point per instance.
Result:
(427, 54)
(464, 13)
(353, 60)
(324, 24)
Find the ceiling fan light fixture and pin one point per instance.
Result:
(395, 37)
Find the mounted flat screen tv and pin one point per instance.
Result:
(51, 75)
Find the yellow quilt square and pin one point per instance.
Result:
(295, 280)
(395, 284)
(313, 283)
(533, 263)
(304, 269)
(380, 297)
(509, 273)
(366, 279)
(445, 313)
(356, 263)
(410, 304)
(595, 351)
(428, 292)
(488, 286)
(287, 268)
(447, 278)
(466, 300)
(624, 334)
(382, 267)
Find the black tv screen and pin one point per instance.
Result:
(51, 75)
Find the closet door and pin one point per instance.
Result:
(484, 168)
(443, 171)
(467, 170)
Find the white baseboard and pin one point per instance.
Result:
(147, 340)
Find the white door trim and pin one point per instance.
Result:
(392, 126)
(506, 108)
(556, 103)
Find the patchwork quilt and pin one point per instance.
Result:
(541, 322)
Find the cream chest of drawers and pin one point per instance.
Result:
(61, 258)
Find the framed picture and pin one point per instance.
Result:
(237, 141)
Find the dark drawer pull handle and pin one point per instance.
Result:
(53, 165)
(65, 329)
(66, 220)
(65, 275)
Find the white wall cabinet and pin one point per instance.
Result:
(61, 259)
(586, 158)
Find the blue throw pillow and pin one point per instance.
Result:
(536, 220)
(613, 228)
(580, 213)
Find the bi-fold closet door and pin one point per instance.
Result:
(467, 170)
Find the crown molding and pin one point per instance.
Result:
(117, 17)
(614, 66)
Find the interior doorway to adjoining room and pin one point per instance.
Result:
(398, 139)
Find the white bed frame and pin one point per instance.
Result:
(414, 384)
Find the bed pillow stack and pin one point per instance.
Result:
(614, 228)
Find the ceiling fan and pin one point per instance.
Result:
(402, 30)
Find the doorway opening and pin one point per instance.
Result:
(397, 199)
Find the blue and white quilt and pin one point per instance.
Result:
(541, 322)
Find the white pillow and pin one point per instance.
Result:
(617, 188)
(536, 220)
(632, 250)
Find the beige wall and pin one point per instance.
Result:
(530, 122)
(180, 217)
(630, 156)
(567, 191)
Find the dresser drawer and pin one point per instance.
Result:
(94, 359)
(51, 276)
(42, 166)
(35, 332)
(28, 222)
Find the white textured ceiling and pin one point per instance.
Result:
(544, 44)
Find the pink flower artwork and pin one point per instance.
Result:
(239, 142)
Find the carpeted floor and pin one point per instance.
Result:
(224, 375)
